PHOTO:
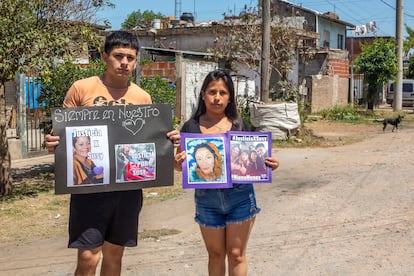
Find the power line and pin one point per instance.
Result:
(392, 7)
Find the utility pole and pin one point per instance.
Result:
(352, 83)
(265, 72)
(397, 104)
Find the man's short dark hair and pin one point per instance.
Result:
(121, 38)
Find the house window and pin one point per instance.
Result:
(340, 41)
(326, 38)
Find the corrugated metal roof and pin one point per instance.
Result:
(173, 52)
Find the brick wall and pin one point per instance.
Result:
(164, 69)
(339, 67)
(326, 92)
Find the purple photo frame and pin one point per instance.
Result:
(247, 151)
(212, 169)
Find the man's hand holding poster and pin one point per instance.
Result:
(112, 148)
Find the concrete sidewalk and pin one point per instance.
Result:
(46, 159)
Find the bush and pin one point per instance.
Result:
(347, 113)
(57, 81)
(161, 91)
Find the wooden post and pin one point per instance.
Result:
(265, 72)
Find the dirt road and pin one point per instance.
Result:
(347, 210)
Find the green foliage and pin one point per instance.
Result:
(35, 33)
(243, 105)
(240, 42)
(346, 113)
(140, 19)
(378, 61)
(410, 71)
(57, 81)
(44, 182)
(409, 41)
(160, 90)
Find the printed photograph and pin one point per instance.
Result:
(87, 156)
(135, 162)
(248, 151)
(206, 161)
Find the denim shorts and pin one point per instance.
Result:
(215, 208)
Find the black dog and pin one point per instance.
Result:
(392, 121)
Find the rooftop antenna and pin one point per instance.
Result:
(177, 9)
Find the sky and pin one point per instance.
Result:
(356, 12)
(203, 10)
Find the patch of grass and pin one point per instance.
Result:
(355, 114)
(348, 117)
(347, 113)
(31, 186)
(31, 217)
(33, 211)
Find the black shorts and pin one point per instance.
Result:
(98, 217)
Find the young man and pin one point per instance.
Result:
(104, 223)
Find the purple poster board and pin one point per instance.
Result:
(220, 160)
(247, 153)
(206, 164)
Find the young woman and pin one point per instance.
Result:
(243, 162)
(256, 167)
(225, 216)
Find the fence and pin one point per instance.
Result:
(31, 116)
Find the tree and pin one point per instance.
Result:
(378, 63)
(409, 41)
(34, 33)
(239, 41)
(410, 70)
(140, 20)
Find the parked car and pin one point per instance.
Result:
(407, 92)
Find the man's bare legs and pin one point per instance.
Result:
(88, 260)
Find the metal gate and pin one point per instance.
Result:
(32, 116)
(358, 89)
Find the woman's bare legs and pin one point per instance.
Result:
(237, 236)
(215, 241)
(231, 242)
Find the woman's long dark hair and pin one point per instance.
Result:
(231, 110)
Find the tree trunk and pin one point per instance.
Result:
(265, 68)
(371, 96)
(5, 161)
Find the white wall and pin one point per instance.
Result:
(193, 77)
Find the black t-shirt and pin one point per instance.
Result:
(193, 126)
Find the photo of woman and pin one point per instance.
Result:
(248, 156)
(84, 169)
(209, 165)
(206, 163)
(256, 167)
